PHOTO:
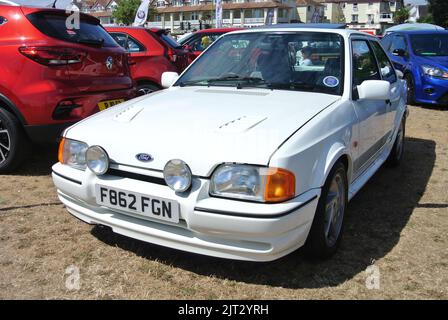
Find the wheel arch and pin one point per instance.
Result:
(338, 153)
(8, 105)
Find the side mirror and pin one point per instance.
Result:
(374, 90)
(169, 78)
(400, 74)
(399, 52)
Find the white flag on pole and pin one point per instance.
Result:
(142, 13)
(218, 13)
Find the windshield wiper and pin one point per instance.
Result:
(226, 78)
(94, 42)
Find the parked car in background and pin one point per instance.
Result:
(423, 58)
(198, 41)
(242, 158)
(52, 77)
(152, 52)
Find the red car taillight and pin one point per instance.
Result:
(53, 56)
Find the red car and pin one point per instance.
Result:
(52, 76)
(152, 52)
(198, 41)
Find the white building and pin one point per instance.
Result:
(373, 16)
(190, 14)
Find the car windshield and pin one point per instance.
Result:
(299, 61)
(430, 44)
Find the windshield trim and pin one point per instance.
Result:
(224, 36)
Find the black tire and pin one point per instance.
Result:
(411, 88)
(396, 154)
(146, 88)
(319, 244)
(13, 142)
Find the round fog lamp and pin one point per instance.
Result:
(97, 160)
(177, 175)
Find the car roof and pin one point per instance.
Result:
(420, 32)
(306, 26)
(218, 30)
(342, 32)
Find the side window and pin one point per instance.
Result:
(386, 69)
(386, 42)
(134, 46)
(398, 42)
(364, 63)
(121, 39)
(201, 43)
(127, 42)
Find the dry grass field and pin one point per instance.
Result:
(398, 223)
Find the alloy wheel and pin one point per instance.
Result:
(334, 209)
(5, 142)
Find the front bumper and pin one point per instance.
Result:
(210, 226)
(432, 90)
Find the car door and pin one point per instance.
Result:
(136, 50)
(388, 73)
(370, 113)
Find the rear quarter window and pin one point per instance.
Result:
(3, 20)
(54, 25)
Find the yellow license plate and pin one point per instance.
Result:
(103, 105)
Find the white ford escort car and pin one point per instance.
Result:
(254, 151)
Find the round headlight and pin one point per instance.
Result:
(97, 160)
(177, 175)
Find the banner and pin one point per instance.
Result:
(218, 13)
(142, 13)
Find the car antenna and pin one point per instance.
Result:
(54, 4)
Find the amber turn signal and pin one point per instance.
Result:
(280, 185)
(61, 151)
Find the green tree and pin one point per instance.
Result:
(401, 15)
(426, 19)
(126, 10)
(439, 11)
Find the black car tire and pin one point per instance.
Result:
(320, 244)
(411, 88)
(13, 142)
(396, 154)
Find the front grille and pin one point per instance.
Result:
(136, 176)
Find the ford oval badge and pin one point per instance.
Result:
(144, 157)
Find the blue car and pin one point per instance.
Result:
(423, 58)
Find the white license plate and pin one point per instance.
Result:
(138, 203)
